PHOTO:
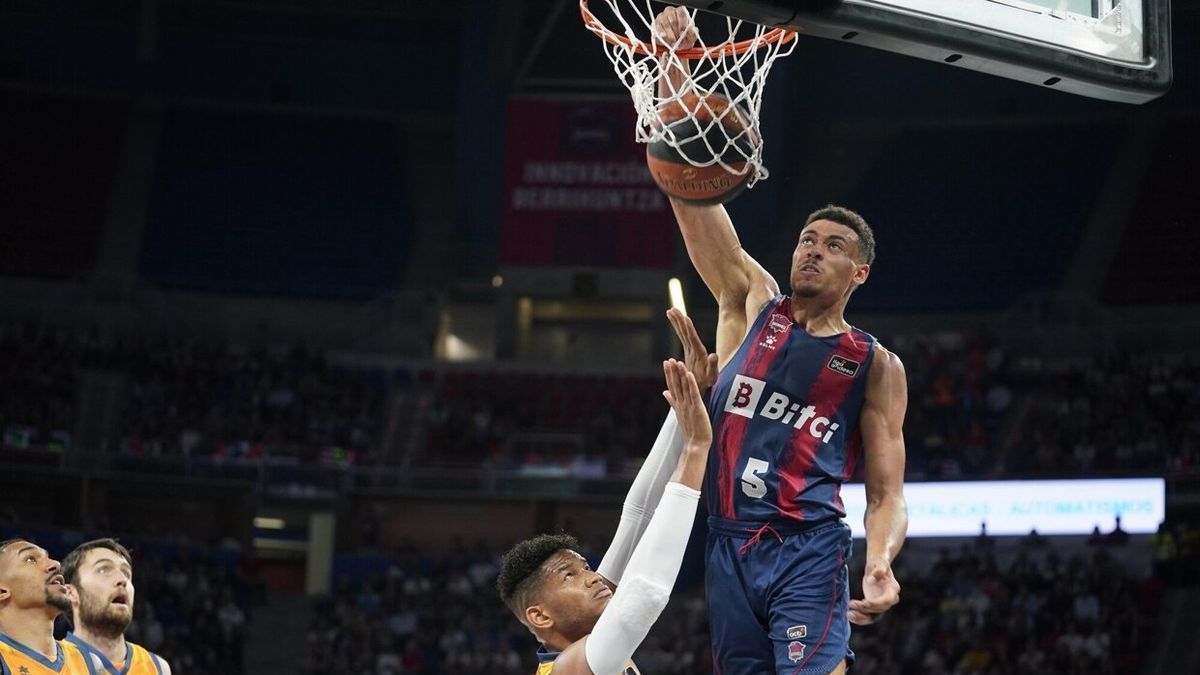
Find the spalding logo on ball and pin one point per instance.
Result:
(703, 127)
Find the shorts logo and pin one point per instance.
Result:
(797, 632)
(796, 651)
(843, 365)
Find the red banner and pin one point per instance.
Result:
(577, 190)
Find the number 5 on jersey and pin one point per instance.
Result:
(752, 484)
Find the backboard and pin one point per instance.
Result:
(1118, 50)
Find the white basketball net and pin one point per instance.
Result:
(735, 67)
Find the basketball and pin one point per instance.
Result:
(701, 126)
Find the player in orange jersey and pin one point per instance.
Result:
(589, 622)
(100, 574)
(32, 593)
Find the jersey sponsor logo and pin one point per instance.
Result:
(843, 365)
(796, 651)
(797, 632)
(746, 393)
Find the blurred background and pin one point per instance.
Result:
(298, 299)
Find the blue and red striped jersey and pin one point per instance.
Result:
(785, 413)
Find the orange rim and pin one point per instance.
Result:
(729, 49)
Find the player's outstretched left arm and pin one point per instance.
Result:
(651, 573)
(647, 487)
(887, 512)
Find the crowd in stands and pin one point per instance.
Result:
(960, 393)
(193, 610)
(991, 607)
(1039, 611)
(1119, 413)
(185, 397)
(182, 397)
(37, 402)
(589, 424)
(419, 615)
(975, 411)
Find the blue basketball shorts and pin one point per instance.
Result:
(778, 597)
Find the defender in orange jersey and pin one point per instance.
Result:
(100, 577)
(589, 622)
(32, 593)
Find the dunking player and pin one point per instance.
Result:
(800, 395)
(32, 593)
(584, 627)
(100, 575)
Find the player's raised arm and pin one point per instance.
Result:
(673, 29)
(701, 364)
(647, 487)
(740, 285)
(684, 396)
(651, 573)
(887, 512)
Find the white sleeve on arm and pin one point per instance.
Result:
(644, 494)
(647, 586)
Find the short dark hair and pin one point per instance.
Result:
(519, 567)
(70, 564)
(844, 216)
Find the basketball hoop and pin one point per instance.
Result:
(735, 68)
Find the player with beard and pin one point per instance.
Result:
(32, 593)
(100, 575)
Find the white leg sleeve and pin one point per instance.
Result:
(646, 588)
(644, 494)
